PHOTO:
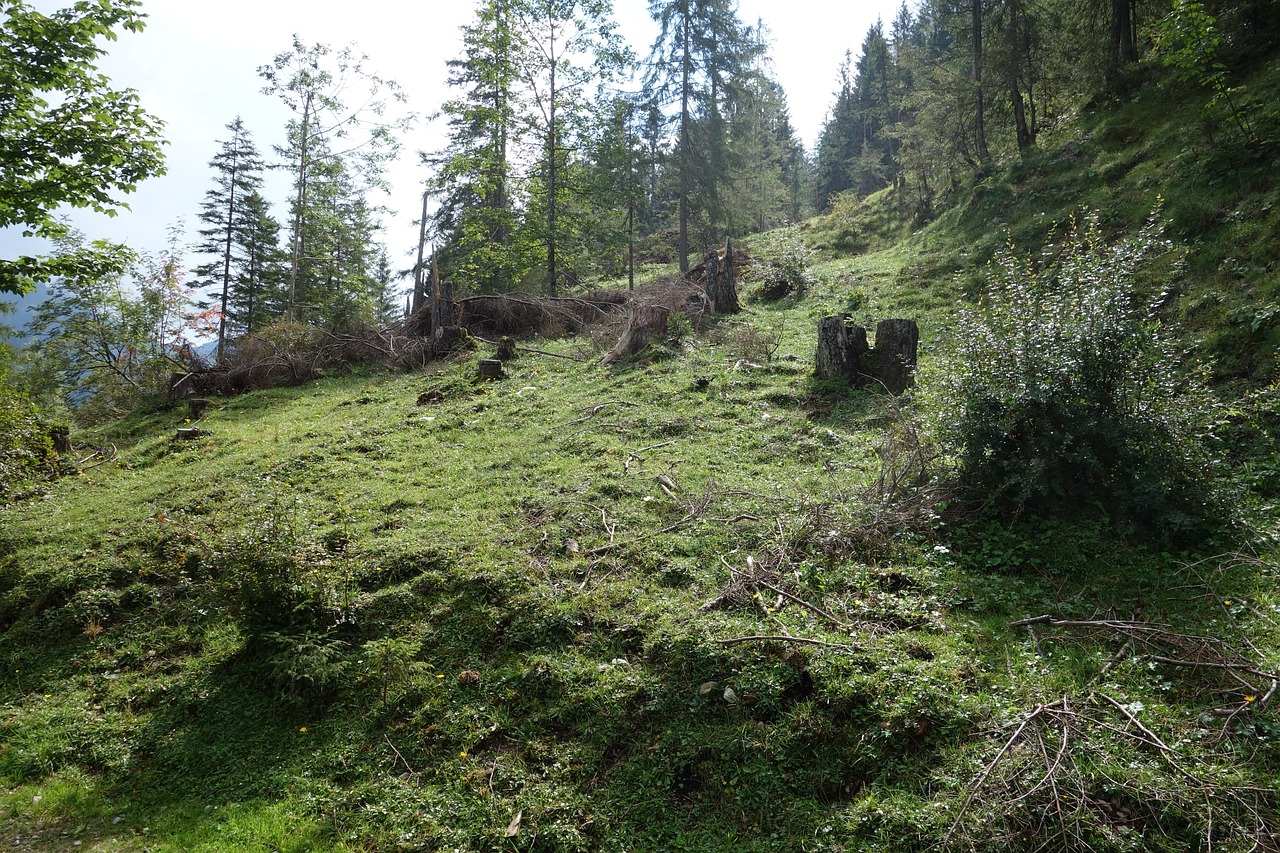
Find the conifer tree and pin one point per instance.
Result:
(840, 143)
(237, 175)
(700, 59)
(475, 177)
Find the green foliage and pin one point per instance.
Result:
(26, 451)
(1189, 44)
(1068, 394)
(337, 154)
(66, 137)
(113, 338)
(781, 257)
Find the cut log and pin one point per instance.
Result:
(506, 349)
(646, 322)
(490, 370)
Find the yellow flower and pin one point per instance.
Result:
(1250, 698)
(302, 728)
(462, 754)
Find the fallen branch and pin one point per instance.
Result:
(596, 409)
(784, 638)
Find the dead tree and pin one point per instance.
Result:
(446, 334)
(645, 323)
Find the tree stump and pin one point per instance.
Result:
(718, 283)
(843, 352)
(506, 349)
(893, 360)
(490, 370)
(841, 348)
(61, 438)
(646, 322)
(196, 406)
(446, 339)
(190, 433)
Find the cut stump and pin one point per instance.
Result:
(646, 322)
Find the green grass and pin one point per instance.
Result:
(397, 612)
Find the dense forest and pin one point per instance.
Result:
(560, 538)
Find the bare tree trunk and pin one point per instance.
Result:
(979, 106)
(297, 213)
(719, 284)
(419, 272)
(686, 164)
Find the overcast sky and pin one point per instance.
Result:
(195, 67)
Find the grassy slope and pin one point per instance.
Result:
(507, 606)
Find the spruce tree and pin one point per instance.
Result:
(237, 175)
(475, 177)
(702, 56)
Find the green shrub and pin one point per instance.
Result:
(26, 452)
(1068, 396)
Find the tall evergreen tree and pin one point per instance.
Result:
(700, 59)
(237, 174)
(475, 174)
(840, 142)
(259, 292)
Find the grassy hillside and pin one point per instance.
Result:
(666, 606)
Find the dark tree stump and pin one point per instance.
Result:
(646, 322)
(61, 438)
(843, 352)
(446, 339)
(190, 433)
(491, 370)
(893, 361)
(841, 348)
(196, 406)
(506, 349)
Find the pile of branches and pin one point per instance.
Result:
(258, 363)
(1085, 773)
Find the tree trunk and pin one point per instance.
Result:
(419, 270)
(645, 323)
(686, 158)
(979, 106)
